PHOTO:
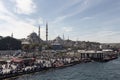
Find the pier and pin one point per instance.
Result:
(102, 56)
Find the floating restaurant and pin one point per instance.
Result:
(104, 55)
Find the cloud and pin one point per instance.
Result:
(40, 21)
(87, 18)
(67, 29)
(2, 7)
(80, 6)
(67, 5)
(84, 5)
(30, 21)
(11, 23)
(105, 36)
(112, 21)
(58, 19)
(101, 28)
(24, 6)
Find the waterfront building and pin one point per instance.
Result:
(25, 41)
(57, 46)
(57, 43)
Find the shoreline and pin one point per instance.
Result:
(48, 64)
(12, 75)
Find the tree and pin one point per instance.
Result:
(25, 47)
(9, 43)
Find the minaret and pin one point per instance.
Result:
(46, 31)
(63, 37)
(39, 32)
(12, 35)
(68, 37)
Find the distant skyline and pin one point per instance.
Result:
(84, 20)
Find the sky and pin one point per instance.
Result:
(83, 20)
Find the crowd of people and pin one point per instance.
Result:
(28, 65)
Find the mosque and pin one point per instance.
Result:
(35, 38)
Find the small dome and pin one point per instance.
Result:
(59, 39)
(33, 34)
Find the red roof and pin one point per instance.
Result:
(17, 60)
(22, 60)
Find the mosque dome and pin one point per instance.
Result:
(34, 38)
